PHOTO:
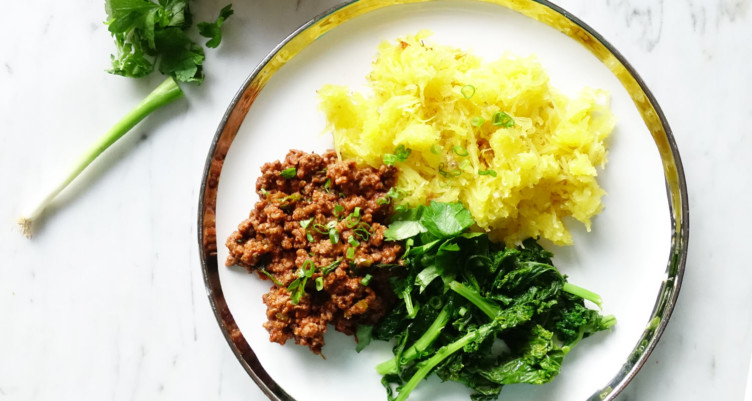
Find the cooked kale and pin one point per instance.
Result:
(463, 296)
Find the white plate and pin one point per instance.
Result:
(624, 258)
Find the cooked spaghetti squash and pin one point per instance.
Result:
(520, 155)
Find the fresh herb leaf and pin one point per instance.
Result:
(444, 220)
(400, 230)
(149, 34)
(492, 173)
(213, 30)
(363, 335)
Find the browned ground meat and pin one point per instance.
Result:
(273, 240)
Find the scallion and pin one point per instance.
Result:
(502, 119)
(460, 151)
(477, 121)
(492, 173)
(288, 173)
(467, 91)
(366, 279)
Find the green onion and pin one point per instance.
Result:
(306, 223)
(274, 280)
(337, 210)
(436, 149)
(330, 267)
(264, 192)
(319, 283)
(352, 221)
(288, 173)
(334, 236)
(467, 91)
(383, 201)
(401, 153)
(350, 253)
(477, 121)
(310, 269)
(328, 185)
(309, 237)
(366, 279)
(501, 119)
(319, 228)
(356, 211)
(487, 172)
(352, 241)
(362, 233)
(460, 151)
(449, 174)
(163, 94)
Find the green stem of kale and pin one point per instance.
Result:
(165, 93)
(440, 355)
(425, 341)
(490, 309)
(583, 293)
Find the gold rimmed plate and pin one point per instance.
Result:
(634, 256)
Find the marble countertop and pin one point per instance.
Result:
(108, 302)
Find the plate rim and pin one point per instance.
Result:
(541, 10)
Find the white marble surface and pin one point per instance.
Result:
(107, 301)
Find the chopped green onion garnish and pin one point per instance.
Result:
(319, 283)
(363, 233)
(350, 253)
(309, 237)
(356, 211)
(328, 185)
(477, 121)
(264, 192)
(310, 269)
(338, 209)
(452, 173)
(467, 91)
(306, 223)
(383, 201)
(366, 279)
(330, 267)
(492, 173)
(501, 119)
(460, 151)
(334, 236)
(400, 154)
(352, 241)
(288, 173)
(274, 280)
(319, 228)
(436, 149)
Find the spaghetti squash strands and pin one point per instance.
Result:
(496, 136)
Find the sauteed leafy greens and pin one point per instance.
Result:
(475, 312)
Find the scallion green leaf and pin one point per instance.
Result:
(366, 279)
(467, 91)
(477, 121)
(460, 151)
(288, 173)
(502, 119)
(492, 173)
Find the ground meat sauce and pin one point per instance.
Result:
(279, 239)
